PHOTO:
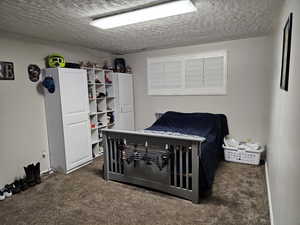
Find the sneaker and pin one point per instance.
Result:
(2, 196)
(7, 191)
(16, 187)
(107, 80)
(101, 95)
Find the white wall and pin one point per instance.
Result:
(284, 152)
(246, 102)
(23, 134)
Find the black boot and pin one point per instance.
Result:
(29, 171)
(37, 173)
(23, 184)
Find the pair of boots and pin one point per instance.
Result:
(33, 175)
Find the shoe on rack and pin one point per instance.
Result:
(98, 81)
(2, 196)
(101, 95)
(107, 80)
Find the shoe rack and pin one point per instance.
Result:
(102, 105)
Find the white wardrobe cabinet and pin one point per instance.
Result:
(125, 104)
(68, 125)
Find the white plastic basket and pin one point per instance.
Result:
(242, 155)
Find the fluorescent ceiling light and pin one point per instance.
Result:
(146, 14)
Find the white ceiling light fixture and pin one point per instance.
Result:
(141, 15)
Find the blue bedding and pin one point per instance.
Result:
(213, 127)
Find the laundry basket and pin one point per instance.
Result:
(243, 155)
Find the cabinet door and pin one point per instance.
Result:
(75, 109)
(126, 111)
(126, 121)
(125, 91)
(74, 93)
(77, 140)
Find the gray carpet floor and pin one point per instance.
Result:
(83, 197)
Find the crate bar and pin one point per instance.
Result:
(169, 166)
(175, 167)
(110, 155)
(116, 156)
(187, 168)
(119, 157)
(195, 172)
(180, 166)
(106, 158)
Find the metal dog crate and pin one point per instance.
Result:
(161, 162)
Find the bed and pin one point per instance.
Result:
(178, 154)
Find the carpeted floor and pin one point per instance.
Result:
(83, 197)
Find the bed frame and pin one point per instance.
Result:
(163, 162)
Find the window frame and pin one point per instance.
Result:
(189, 91)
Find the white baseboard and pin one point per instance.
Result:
(47, 171)
(269, 194)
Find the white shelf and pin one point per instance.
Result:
(95, 142)
(96, 85)
(96, 69)
(103, 112)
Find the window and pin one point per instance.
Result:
(200, 74)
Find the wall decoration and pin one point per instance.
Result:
(7, 71)
(49, 83)
(55, 60)
(120, 65)
(286, 52)
(34, 72)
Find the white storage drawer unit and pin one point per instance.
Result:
(68, 125)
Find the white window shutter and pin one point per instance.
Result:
(173, 75)
(201, 74)
(194, 73)
(155, 76)
(214, 72)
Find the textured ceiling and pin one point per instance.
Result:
(68, 21)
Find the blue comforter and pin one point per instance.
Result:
(213, 127)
